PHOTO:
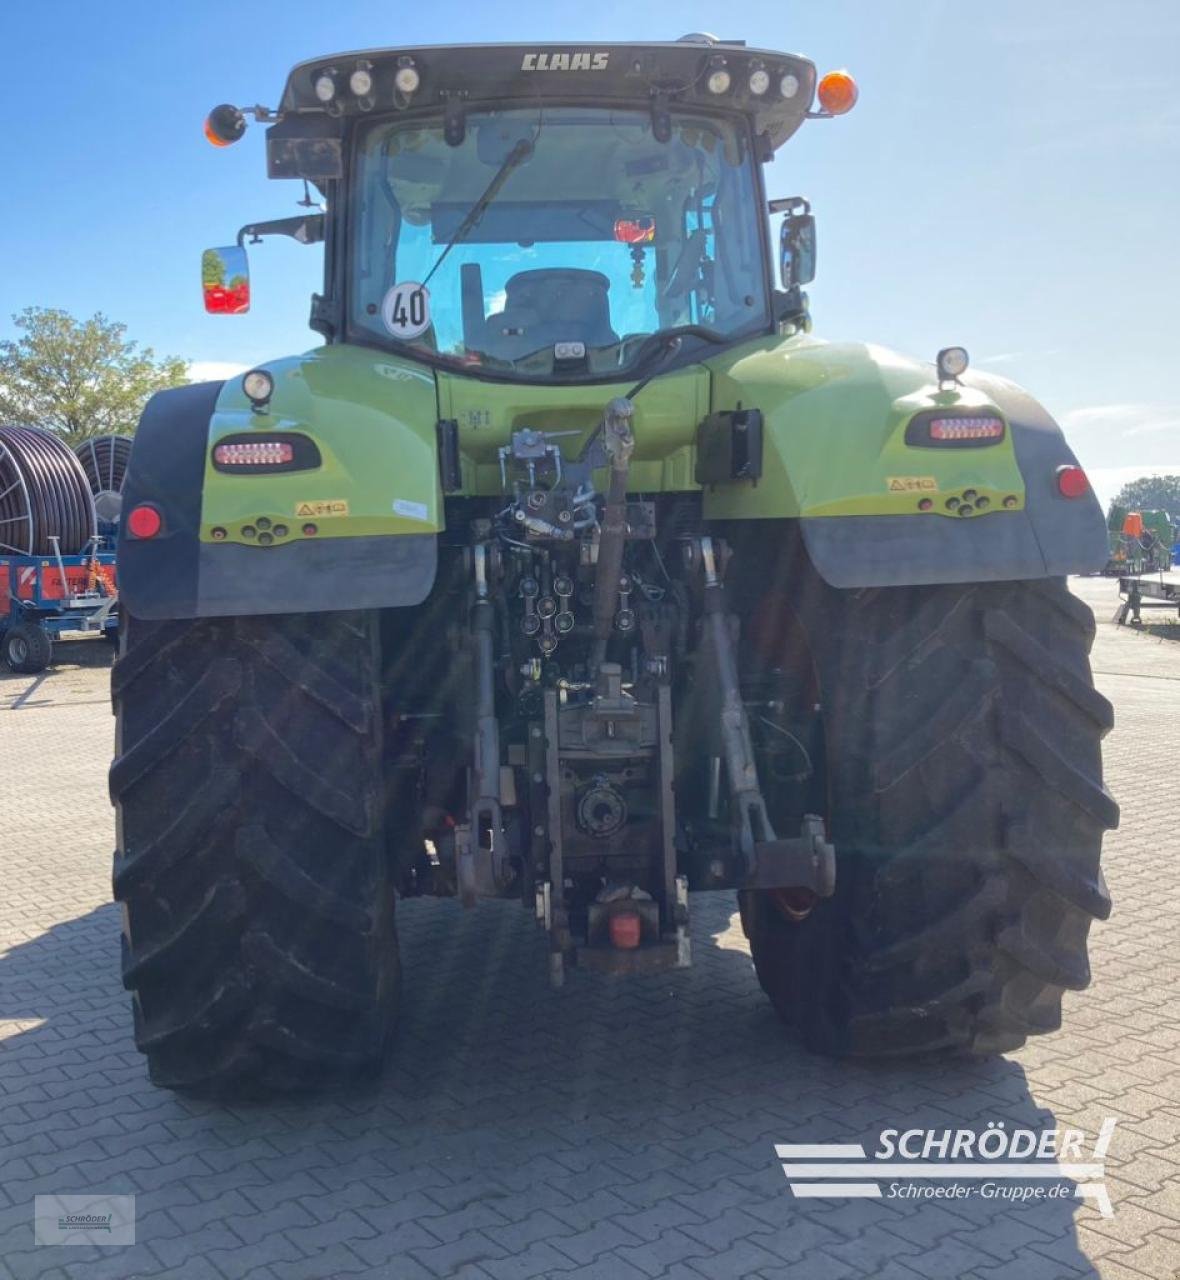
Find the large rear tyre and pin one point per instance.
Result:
(967, 810)
(258, 913)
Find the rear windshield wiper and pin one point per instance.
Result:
(517, 156)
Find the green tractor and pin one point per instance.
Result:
(573, 569)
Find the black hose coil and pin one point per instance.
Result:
(104, 459)
(44, 494)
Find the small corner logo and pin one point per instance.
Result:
(1021, 1166)
(81, 1220)
(85, 1222)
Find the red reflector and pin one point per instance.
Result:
(1072, 481)
(966, 428)
(144, 521)
(254, 453)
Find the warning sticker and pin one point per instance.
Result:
(911, 484)
(323, 507)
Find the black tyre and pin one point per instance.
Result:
(27, 648)
(258, 928)
(967, 810)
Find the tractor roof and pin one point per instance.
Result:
(654, 75)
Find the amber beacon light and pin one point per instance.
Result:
(837, 93)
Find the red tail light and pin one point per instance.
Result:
(1072, 481)
(144, 521)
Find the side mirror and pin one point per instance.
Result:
(225, 281)
(797, 246)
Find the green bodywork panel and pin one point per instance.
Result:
(373, 418)
(834, 437)
(834, 417)
(667, 412)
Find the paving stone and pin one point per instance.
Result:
(511, 1138)
(446, 1259)
(539, 1258)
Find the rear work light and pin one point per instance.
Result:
(966, 429)
(254, 453)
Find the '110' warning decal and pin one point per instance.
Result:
(327, 507)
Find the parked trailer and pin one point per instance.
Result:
(43, 597)
(1147, 591)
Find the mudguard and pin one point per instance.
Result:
(358, 530)
(876, 510)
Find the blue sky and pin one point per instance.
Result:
(1009, 181)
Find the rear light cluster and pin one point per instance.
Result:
(966, 429)
(935, 429)
(254, 453)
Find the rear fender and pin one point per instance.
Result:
(371, 504)
(1050, 536)
(837, 459)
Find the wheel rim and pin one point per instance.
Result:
(18, 649)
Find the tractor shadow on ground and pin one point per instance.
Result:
(604, 1098)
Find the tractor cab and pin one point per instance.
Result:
(541, 214)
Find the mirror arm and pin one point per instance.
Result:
(789, 204)
(306, 229)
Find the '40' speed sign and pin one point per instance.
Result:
(406, 310)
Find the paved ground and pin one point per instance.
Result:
(616, 1131)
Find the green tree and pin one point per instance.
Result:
(1150, 493)
(212, 268)
(79, 378)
